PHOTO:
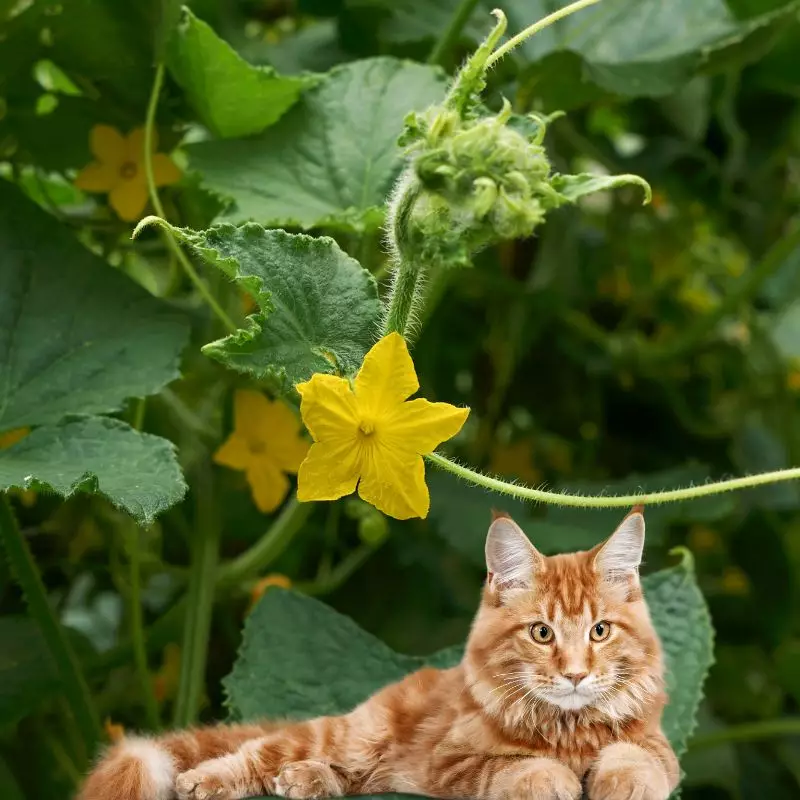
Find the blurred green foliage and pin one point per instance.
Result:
(623, 347)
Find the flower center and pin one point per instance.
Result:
(367, 427)
(256, 447)
(128, 170)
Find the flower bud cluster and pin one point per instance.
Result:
(478, 180)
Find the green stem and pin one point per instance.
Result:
(404, 299)
(200, 600)
(546, 22)
(198, 282)
(448, 39)
(268, 547)
(748, 732)
(138, 408)
(406, 293)
(337, 576)
(137, 631)
(72, 680)
(611, 501)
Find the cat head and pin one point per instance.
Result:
(564, 634)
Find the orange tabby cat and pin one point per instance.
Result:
(561, 683)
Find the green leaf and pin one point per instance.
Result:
(682, 620)
(574, 187)
(75, 335)
(231, 97)
(319, 307)
(332, 159)
(341, 665)
(137, 472)
(630, 47)
(27, 673)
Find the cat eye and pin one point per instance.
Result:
(541, 633)
(600, 631)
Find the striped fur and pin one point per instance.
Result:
(505, 723)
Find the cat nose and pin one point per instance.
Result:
(575, 677)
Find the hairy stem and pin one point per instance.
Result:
(200, 599)
(268, 547)
(748, 732)
(27, 574)
(404, 298)
(546, 22)
(406, 293)
(449, 37)
(610, 501)
(190, 271)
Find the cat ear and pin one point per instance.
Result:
(620, 555)
(510, 557)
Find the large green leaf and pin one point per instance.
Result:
(684, 625)
(136, 471)
(75, 335)
(319, 307)
(232, 97)
(332, 159)
(630, 47)
(328, 664)
(462, 512)
(27, 673)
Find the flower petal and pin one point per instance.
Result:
(281, 435)
(129, 199)
(386, 377)
(164, 170)
(328, 407)
(99, 176)
(421, 426)
(107, 145)
(249, 412)
(234, 452)
(268, 483)
(393, 481)
(330, 471)
(134, 145)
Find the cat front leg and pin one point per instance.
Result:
(535, 779)
(505, 778)
(625, 771)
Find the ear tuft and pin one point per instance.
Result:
(510, 557)
(621, 554)
(498, 514)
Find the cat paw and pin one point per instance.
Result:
(548, 780)
(196, 784)
(627, 772)
(307, 780)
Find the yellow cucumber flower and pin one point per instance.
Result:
(266, 444)
(119, 170)
(367, 435)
